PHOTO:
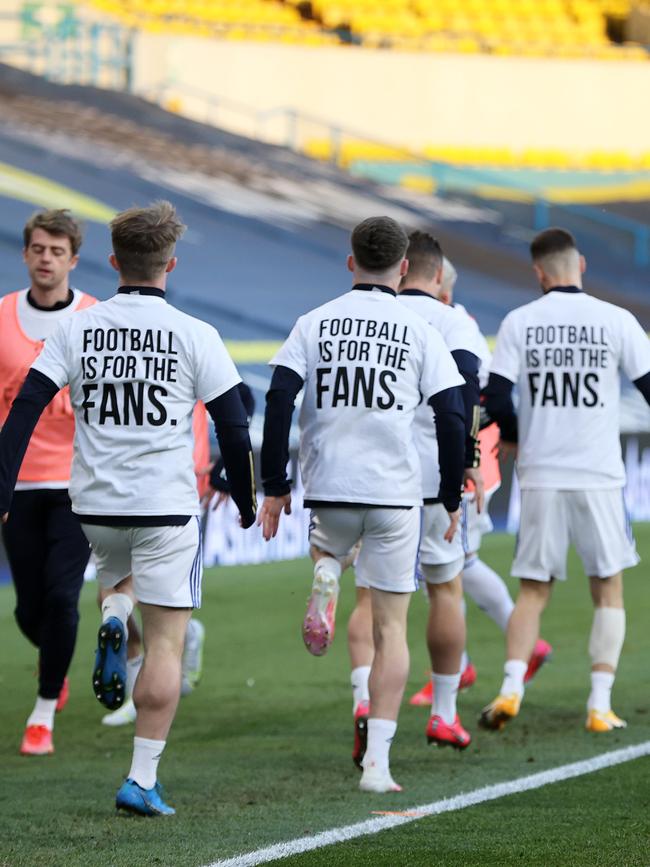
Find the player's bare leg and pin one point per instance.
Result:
(361, 648)
(318, 625)
(446, 636)
(156, 696)
(521, 637)
(388, 675)
(605, 645)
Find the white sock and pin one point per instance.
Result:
(464, 661)
(445, 690)
(118, 605)
(513, 682)
(380, 737)
(328, 569)
(489, 591)
(359, 681)
(43, 713)
(133, 667)
(144, 766)
(601, 689)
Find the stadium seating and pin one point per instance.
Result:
(559, 28)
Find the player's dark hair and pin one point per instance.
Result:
(144, 240)
(378, 243)
(425, 256)
(551, 241)
(59, 223)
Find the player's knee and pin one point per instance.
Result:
(62, 607)
(534, 592)
(607, 636)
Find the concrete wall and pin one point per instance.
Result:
(408, 99)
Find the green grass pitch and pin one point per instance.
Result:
(260, 752)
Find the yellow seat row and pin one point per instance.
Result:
(537, 28)
(351, 150)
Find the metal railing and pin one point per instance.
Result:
(286, 126)
(70, 50)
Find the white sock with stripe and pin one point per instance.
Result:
(380, 737)
(359, 681)
(144, 766)
(118, 605)
(43, 713)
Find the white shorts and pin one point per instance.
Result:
(387, 560)
(595, 522)
(440, 561)
(166, 562)
(474, 526)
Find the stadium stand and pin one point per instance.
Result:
(558, 28)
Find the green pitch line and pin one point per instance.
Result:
(44, 193)
(260, 753)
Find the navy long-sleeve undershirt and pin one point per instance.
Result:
(500, 408)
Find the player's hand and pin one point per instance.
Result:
(5, 517)
(214, 497)
(454, 518)
(507, 450)
(475, 476)
(269, 516)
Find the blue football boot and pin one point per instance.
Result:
(109, 673)
(144, 802)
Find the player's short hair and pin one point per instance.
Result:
(424, 254)
(144, 239)
(59, 223)
(551, 242)
(378, 243)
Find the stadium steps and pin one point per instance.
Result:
(486, 242)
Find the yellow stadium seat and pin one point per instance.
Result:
(559, 28)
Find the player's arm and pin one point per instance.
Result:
(37, 391)
(280, 403)
(504, 374)
(500, 408)
(643, 384)
(468, 366)
(231, 423)
(449, 413)
(219, 481)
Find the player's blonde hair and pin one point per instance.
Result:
(144, 240)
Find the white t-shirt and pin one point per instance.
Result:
(136, 367)
(366, 361)
(483, 350)
(38, 324)
(459, 332)
(564, 352)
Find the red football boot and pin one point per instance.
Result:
(64, 695)
(360, 733)
(468, 677)
(542, 652)
(423, 696)
(445, 735)
(37, 741)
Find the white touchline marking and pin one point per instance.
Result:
(446, 805)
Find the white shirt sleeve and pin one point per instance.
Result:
(439, 369)
(506, 360)
(215, 372)
(463, 335)
(54, 360)
(635, 348)
(293, 352)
